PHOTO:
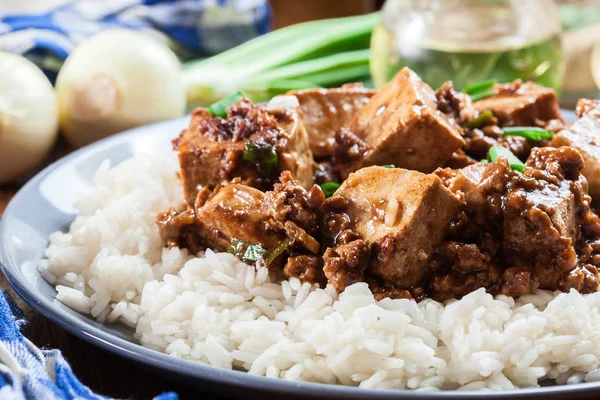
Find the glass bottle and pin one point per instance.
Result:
(468, 41)
(580, 20)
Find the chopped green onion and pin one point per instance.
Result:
(528, 132)
(329, 188)
(237, 247)
(249, 253)
(498, 151)
(388, 166)
(484, 161)
(278, 250)
(483, 119)
(219, 109)
(481, 90)
(263, 155)
(483, 85)
(253, 253)
(482, 94)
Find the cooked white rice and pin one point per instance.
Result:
(217, 310)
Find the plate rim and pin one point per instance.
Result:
(234, 380)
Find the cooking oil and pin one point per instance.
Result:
(469, 41)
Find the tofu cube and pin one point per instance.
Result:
(325, 111)
(584, 135)
(211, 150)
(403, 214)
(234, 213)
(404, 127)
(521, 104)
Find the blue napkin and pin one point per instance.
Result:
(190, 27)
(28, 373)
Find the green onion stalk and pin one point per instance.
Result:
(329, 188)
(483, 119)
(527, 132)
(481, 90)
(499, 151)
(324, 53)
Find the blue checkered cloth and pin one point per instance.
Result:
(190, 27)
(28, 373)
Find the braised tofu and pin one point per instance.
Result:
(478, 183)
(541, 224)
(292, 145)
(401, 125)
(584, 135)
(585, 105)
(211, 151)
(403, 215)
(325, 111)
(521, 104)
(207, 162)
(234, 213)
(468, 182)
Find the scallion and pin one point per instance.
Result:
(236, 247)
(483, 85)
(247, 252)
(329, 188)
(278, 250)
(327, 71)
(528, 132)
(481, 90)
(482, 94)
(483, 119)
(219, 108)
(389, 166)
(263, 155)
(325, 53)
(253, 253)
(499, 151)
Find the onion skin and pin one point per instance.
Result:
(117, 80)
(28, 116)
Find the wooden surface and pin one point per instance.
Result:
(288, 12)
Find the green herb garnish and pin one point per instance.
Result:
(483, 119)
(329, 188)
(278, 250)
(249, 253)
(528, 132)
(476, 87)
(263, 155)
(219, 109)
(483, 94)
(389, 166)
(253, 253)
(236, 247)
(481, 90)
(498, 151)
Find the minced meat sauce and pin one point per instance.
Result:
(352, 215)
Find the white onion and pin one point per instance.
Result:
(28, 116)
(116, 80)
